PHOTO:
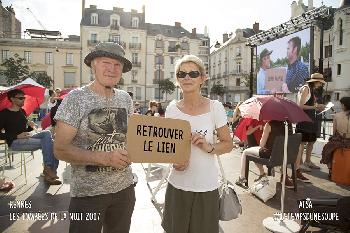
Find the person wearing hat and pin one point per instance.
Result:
(264, 65)
(91, 135)
(297, 71)
(307, 100)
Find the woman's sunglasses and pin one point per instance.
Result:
(21, 98)
(192, 74)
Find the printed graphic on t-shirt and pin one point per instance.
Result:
(107, 129)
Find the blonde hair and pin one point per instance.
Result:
(191, 58)
(152, 103)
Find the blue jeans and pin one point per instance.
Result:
(42, 140)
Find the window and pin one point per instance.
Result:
(158, 95)
(238, 67)
(337, 96)
(135, 22)
(114, 24)
(172, 75)
(134, 39)
(238, 51)
(69, 58)
(94, 18)
(172, 60)
(114, 38)
(328, 51)
(135, 57)
(69, 79)
(184, 46)
(27, 57)
(238, 82)
(172, 46)
(159, 59)
(5, 54)
(48, 58)
(339, 69)
(204, 43)
(138, 93)
(341, 32)
(159, 44)
(93, 38)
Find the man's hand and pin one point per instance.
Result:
(23, 135)
(32, 124)
(118, 158)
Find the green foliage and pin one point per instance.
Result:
(280, 62)
(304, 52)
(166, 86)
(42, 78)
(218, 89)
(15, 72)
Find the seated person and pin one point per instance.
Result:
(18, 137)
(272, 129)
(254, 132)
(341, 133)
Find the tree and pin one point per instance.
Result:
(218, 89)
(42, 78)
(15, 72)
(245, 80)
(304, 52)
(166, 86)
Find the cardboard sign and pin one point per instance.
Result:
(274, 79)
(158, 140)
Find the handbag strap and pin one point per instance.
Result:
(214, 140)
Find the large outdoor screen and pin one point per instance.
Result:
(283, 64)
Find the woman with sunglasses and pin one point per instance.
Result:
(192, 197)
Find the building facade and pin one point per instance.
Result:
(58, 59)
(335, 47)
(152, 48)
(10, 27)
(230, 65)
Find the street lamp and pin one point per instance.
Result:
(159, 62)
(53, 65)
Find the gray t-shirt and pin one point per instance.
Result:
(102, 126)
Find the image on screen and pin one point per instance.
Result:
(283, 64)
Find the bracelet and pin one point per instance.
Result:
(212, 149)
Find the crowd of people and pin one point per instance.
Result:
(92, 119)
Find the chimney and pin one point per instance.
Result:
(178, 24)
(310, 5)
(194, 33)
(256, 27)
(224, 37)
(82, 8)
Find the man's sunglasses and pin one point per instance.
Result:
(192, 74)
(20, 98)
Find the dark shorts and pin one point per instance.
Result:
(306, 136)
(190, 212)
(112, 211)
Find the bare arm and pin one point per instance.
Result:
(251, 129)
(225, 144)
(265, 135)
(66, 151)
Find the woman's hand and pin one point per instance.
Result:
(181, 166)
(199, 140)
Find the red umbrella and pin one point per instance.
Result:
(273, 108)
(241, 130)
(33, 91)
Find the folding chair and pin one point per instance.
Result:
(151, 168)
(23, 160)
(276, 158)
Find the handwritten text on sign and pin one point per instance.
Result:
(158, 140)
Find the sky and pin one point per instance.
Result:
(220, 16)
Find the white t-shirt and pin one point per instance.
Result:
(201, 175)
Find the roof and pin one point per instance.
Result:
(104, 17)
(166, 30)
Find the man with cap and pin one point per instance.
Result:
(307, 100)
(297, 71)
(91, 135)
(264, 65)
